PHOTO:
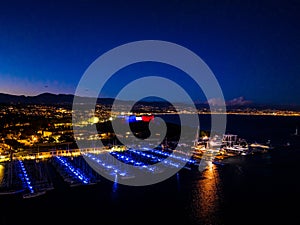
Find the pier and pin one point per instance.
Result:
(29, 175)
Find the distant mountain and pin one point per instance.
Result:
(67, 99)
(242, 103)
(46, 98)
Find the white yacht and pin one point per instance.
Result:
(232, 144)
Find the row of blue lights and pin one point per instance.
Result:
(114, 170)
(141, 153)
(184, 159)
(130, 160)
(165, 161)
(76, 172)
(25, 178)
(146, 156)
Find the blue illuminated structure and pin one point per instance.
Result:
(130, 160)
(25, 178)
(112, 169)
(167, 154)
(131, 119)
(144, 160)
(153, 156)
(75, 172)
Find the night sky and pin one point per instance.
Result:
(252, 47)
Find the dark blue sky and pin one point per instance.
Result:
(252, 47)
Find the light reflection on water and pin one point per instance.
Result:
(1, 173)
(206, 197)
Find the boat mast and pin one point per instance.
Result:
(196, 137)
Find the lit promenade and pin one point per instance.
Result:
(52, 153)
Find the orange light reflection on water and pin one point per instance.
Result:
(1, 173)
(206, 196)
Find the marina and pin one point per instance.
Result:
(223, 193)
(32, 178)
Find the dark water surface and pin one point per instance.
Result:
(253, 189)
